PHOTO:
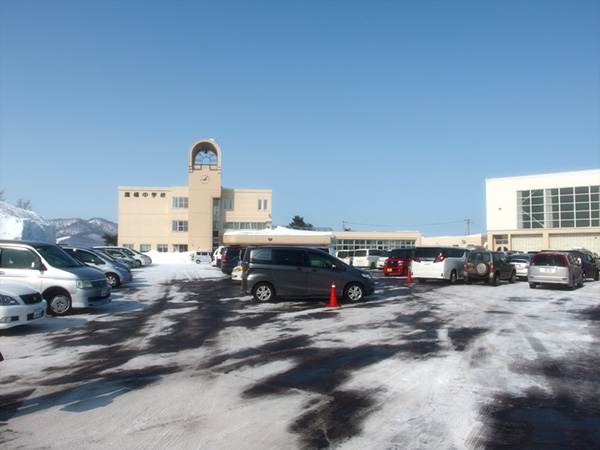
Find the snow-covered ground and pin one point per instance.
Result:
(181, 359)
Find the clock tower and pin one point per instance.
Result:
(204, 184)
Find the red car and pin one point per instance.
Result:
(398, 261)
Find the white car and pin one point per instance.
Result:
(236, 274)
(20, 305)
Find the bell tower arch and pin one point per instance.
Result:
(204, 185)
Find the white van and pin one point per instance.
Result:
(366, 257)
(64, 282)
(439, 263)
(217, 256)
(202, 256)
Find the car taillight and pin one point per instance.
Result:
(491, 267)
(416, 258)
(440, 258)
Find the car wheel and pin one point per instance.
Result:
(532, 285)
(453, 277)
(113, 280)
(197, 261)
(468, 280)
(354, 292)
(513, 277)
(571, 284)
(263, 292)
(59, 303)
(495, 279)
(597, 275)
(138, 263)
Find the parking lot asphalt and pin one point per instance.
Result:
(182, 358)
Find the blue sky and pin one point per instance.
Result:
(386, 115)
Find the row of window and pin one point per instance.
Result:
(160, 248)
(182, 203)
(356, 244)
(570, 207)
(181, 226)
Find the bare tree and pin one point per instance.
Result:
(24, 204)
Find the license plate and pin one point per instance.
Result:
(471, 269)
(388, 270)
(37, 313)
(546, 270)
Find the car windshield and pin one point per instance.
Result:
(479, 257)
(519, 257)
(543, 259)
(400, 253)
(428, 253)
(57, 257)
(360, 253)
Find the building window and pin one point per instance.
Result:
(128, 246)
(145, 248)
(179, 202)
(263, 205)
(162, 248)
(227, 204)
(180, 248)
(179, 226)
(567, 207)
(244, 226)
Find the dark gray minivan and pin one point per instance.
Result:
(292, 271)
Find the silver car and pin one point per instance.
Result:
(555, 268)
(521, 263)
(115, 273)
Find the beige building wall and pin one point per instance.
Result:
(457, 241)
(147, 214)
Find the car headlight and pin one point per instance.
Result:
(82, 284)
(6, 300)
(367, 276)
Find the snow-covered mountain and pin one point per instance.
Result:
(22, 224)
(83, 233)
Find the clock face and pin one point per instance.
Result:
(205, 179)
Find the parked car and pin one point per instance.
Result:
(381, 260)
(202, 256)
(490, 267)
(521, 263)
(117, 255)
(20, 305)
(439, 263)
(291, 271)
(139, 259)
(216, 257)
(555, 268)
(398, 261)
(64, 282)
(588, 264)
(230, 258)
(236, 273)
(366, 257)
(115, 273)
(346, 256)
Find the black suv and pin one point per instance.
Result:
(490, 267)
(588, 264)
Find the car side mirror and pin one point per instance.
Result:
(37, 265)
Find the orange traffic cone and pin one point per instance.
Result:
(408, 278)
(333, 303)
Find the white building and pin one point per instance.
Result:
(552, 211)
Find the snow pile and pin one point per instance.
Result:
(21, 224)
(170, 258)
